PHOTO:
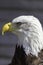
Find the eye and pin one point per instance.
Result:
(18, 23)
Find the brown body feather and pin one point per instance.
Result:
(20, 58)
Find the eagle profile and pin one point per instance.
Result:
(30, 38)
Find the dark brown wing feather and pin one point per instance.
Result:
(20, 58)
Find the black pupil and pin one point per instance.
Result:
(18, 23)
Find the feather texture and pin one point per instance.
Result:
(30, 34)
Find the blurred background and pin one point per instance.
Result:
(10, 9)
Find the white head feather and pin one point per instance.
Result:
(30, 34)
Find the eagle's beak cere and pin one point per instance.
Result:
(6, 27)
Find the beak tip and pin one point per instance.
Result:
(2, 33)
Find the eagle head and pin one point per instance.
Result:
(29, 31)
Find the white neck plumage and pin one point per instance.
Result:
(31, 40)
(30, 36)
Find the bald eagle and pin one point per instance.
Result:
(30, 39)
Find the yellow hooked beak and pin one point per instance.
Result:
(6, 27)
